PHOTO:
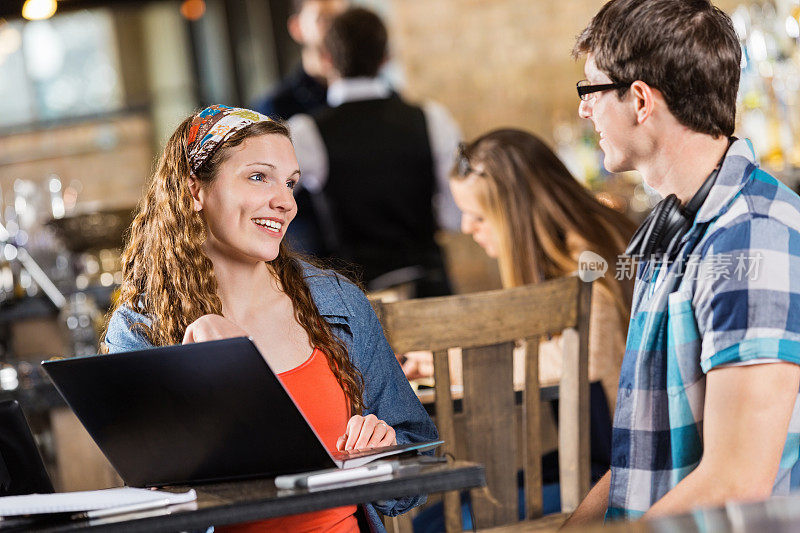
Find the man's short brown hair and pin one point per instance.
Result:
(687, 49)
(356, 42)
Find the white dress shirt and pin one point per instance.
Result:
(443, 134)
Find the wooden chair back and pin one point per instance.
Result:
(486, 326)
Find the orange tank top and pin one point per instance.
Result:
(322, 400)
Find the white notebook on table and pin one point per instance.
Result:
(94, 503)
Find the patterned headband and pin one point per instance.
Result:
(212, 126)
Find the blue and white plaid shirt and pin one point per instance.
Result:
(731, 296)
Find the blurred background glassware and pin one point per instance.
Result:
(6, 281)
(9, 377)
(94, 238)
(769, 93)
(93, 228)
(82, 320)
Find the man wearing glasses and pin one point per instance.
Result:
(708, 409)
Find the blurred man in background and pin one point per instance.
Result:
(375, 165)
(303, 91)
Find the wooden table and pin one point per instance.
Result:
(243, 501)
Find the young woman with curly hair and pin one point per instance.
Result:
(206, 260)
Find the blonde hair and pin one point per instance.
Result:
(168, 277)
(541, 214)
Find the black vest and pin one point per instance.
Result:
(380, 185)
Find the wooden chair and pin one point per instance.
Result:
(485, 326)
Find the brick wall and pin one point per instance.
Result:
(495, 62)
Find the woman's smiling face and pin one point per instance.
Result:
(249, 204)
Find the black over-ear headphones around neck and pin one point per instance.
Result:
(668, 222)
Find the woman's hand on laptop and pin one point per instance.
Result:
(366, 432)
(212, 328)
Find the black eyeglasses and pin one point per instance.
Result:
(585, 88)
(463, 168)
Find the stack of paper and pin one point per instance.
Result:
(94, 503)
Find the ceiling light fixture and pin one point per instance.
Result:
(193, 9)
(39, 9)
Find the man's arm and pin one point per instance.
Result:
(746, 419)
(594, 505)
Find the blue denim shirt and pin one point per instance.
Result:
(387, 393)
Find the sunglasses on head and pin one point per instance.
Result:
(463, 168)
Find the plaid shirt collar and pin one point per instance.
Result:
(734, 173)
(737, 166)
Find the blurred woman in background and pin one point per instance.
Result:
(523, 207)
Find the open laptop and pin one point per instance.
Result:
(198, 412)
